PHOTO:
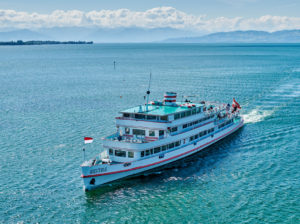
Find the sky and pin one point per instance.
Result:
(201, 15)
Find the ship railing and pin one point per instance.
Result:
(136, 119)
(124, 138)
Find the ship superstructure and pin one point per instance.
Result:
(160, 132)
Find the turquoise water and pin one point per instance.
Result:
(52, 96)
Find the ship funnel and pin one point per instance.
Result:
(170, 98)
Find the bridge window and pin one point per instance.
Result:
(164, 118)
(150, 117)
(126, 115)
(139, 116)
(111, 151)
(120, 153)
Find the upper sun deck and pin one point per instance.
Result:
(158, 109)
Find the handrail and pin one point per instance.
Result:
(135, 119)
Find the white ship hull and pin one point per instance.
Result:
(100, 175)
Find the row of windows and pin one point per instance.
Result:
(225, 123)
(202, 133)
(121, 153)
(160, 149)
(143, 132)
(187, 113)
(146, 117)
(197, 122)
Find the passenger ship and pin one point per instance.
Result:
(160, 132)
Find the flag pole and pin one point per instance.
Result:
(83, 154)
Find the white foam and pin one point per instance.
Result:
(257, 115)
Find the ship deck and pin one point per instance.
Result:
(161, 110)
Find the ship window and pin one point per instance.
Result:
(151, 133)
(194, 111)
(147, 152)
(138, 132)
(174, 129)
(198, 109)
(191, 124)
(151, 151)
(171, 145)
(188, 113)
(161, 132)
(191, 138)
(126, 115)
(111, 151)
(150, 117)
(127, 130)
(184, 126)
(139, 116)
(177, 143)
(196, 136)
(195, 122)
(182, 114)
(130, 154)
(120, 153)
(163, 148)
(176, 116)
(142, 154)
(157, 149)
(164, 118)
(205, 132)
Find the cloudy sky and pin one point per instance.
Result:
(208, 16)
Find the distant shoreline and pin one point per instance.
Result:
(38, 42)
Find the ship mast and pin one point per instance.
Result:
(148, 93)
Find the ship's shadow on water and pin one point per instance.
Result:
(191, 166)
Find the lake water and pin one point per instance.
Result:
(53, 96)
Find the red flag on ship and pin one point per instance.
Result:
(235, 104)
(88, 140)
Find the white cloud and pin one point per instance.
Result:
(152, 18)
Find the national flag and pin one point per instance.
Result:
(88, 140)
(236, 104)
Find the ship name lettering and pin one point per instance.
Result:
(99, 170)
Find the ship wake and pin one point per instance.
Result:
(274, 101)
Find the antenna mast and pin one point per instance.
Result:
(148, 92)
